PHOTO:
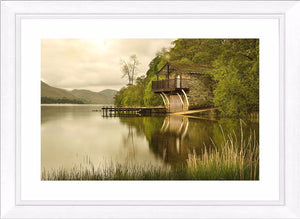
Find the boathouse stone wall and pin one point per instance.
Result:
(200, 92)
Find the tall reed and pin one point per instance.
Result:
(235, 159)
(109, 171)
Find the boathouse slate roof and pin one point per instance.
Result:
(183, 68)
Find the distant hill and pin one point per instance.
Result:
(105, 96)
(51, 94)
(108, 93)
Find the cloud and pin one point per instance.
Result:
(94, 63)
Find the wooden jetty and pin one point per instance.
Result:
(109, 111)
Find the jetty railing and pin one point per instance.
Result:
(110, 111)
(170, 85)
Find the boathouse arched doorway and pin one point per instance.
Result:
(176, 103)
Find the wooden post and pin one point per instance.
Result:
(180, 80)
(168, 70)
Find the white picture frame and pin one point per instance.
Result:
(288, 15)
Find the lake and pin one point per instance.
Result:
(76, 134)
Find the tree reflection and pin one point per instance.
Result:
(129, 142)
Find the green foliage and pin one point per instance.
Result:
(235, 70)
(150, 98)
(200, 51)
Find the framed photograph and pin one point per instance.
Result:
(147, 109)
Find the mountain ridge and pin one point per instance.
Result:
(56, 95)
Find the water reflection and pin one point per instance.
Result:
(170, 143)
(69, 133)
(172, 138)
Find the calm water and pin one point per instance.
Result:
(73, 134)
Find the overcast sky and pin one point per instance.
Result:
(94, 64)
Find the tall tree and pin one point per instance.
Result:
(129, 68)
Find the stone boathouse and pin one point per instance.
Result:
(184, 86)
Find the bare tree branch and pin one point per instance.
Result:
(129, 69)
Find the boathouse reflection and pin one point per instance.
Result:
(171, 142)
(172, 138)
